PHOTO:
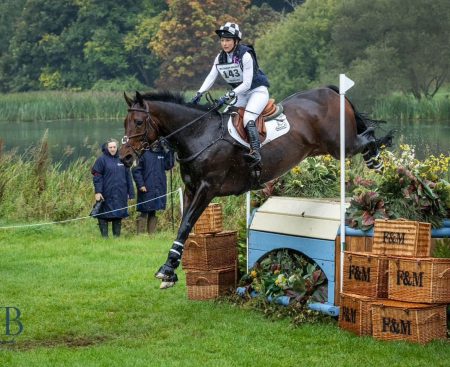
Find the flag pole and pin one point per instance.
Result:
(344, 85)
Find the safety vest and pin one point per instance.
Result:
(232, 72)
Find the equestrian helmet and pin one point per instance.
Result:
(229, 30)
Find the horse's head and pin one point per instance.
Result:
(141, 130)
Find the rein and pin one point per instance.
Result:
(145, 145)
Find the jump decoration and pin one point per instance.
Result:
(396, 291)
(210, 256)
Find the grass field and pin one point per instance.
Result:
(86, 301)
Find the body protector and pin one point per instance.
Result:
(232, 72)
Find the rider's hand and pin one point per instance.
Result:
(99, 196)
(226, 98)
(197, 98)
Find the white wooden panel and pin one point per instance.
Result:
(295, 225)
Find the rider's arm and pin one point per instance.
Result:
(211, 78)
(247, 74)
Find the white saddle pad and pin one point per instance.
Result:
(275, 128)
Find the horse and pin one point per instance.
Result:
(213, 164)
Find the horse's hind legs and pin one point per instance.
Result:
(194, 208)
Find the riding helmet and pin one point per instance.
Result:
(229, 30)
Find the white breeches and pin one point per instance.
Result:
(254, 101)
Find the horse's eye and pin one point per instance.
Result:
(139, 122)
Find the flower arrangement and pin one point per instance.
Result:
(408, 187)
(286, 273)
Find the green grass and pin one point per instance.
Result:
(86, 301)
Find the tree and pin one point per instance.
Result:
(137, 42)
(292, 51)
(405, 43)
(186, 42)
(36, 32)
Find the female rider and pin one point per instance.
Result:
(238, 66)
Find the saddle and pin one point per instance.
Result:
(270, 112)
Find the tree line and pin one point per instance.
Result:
(385, 46)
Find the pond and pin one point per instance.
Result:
(71, 139)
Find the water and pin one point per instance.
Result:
(68, 139)
(72, 139)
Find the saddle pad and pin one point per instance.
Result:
(274, 129)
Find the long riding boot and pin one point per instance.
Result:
(116, 226)
(103, 225)
(141, 223)
(151, 223)
(254, 157)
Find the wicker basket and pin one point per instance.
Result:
(210, 251)
(355, 314)
(208, 285)
(424, 280)
(420, 323)
(401, 238)
(365, 274)
(210, 221)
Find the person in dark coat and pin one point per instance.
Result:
(151, 183)
(113, 186)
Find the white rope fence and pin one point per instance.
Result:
(179, 190)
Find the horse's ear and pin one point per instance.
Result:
(128, 99)
(139, 98)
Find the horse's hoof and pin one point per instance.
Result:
(165, 272)
(165, 285)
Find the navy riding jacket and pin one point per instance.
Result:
(150, 173)
(113, 180)
(259, 78)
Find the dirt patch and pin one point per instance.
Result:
(68, 341)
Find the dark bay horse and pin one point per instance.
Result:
(212, 163)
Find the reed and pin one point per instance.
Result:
(406, 108)
(58, 105)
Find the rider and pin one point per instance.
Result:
(237, 64)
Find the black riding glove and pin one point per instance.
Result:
(226, 98)
(197, 98)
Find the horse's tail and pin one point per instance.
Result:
(366, 126)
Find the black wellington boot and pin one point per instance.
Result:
(103, 225)
(254, 157)
(116, 226)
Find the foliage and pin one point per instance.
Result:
(286, 273)
(404, 107)
(394, 45)
(72, 44)
(442, 248)
(184, 62)
(408, 188)
(292, 51)
(118, 85)
(365, 208)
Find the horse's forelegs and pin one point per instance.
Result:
(195, 204)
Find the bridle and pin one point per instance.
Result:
(145, 144)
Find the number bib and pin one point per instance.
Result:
(231, 73)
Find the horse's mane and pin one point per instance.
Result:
(172, 97)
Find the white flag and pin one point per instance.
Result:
(345, 83)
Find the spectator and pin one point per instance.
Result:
(113, 185)
(151, 183)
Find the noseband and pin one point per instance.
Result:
(145, 144)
